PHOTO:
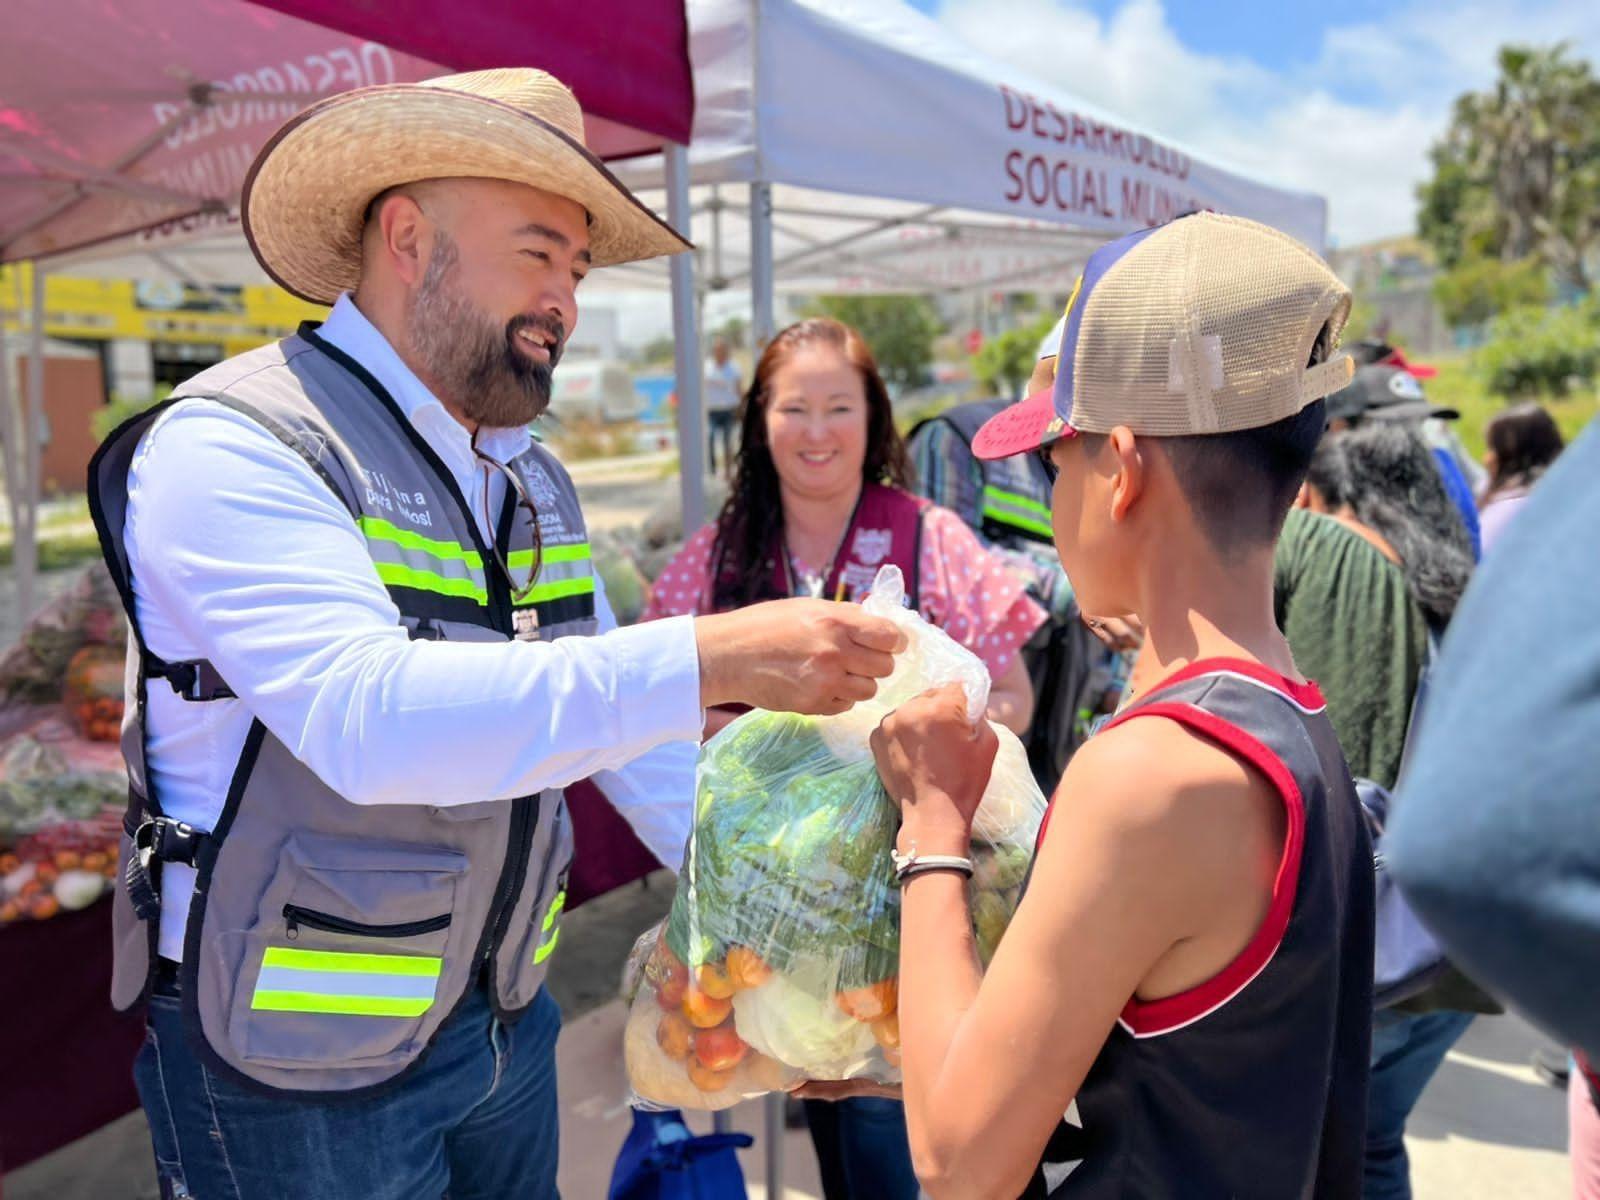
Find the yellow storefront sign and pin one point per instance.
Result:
(236, 318)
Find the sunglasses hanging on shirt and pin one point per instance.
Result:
(519, 590)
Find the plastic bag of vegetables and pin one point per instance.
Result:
(779, 959)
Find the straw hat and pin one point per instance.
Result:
(308, 190)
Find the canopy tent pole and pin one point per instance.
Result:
(760, 217)
(761, 319)
(11, 424)
(686, 349)
(715, 206)
(25, 518)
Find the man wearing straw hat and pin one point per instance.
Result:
(370, 650)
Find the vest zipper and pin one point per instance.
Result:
(524, 809)
(499, 613)
(550, 854)
(295, 916)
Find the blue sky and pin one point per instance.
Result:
(1342, 99)
(1270, 34)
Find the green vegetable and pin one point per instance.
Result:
(990, 916)
(788, 855)
(37, 788)
(998, 868)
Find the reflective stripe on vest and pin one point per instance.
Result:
(1008, 508)
(551, 938)
(565, 588)
(405, 558)
(338, 982)
(563, 571)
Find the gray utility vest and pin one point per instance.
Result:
(1015, 502)
(328, 941)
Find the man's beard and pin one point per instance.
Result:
(478, 365)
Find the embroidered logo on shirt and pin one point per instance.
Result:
(541, 488)
(871, 546)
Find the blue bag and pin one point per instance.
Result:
(662, 1160)
(1407, 957)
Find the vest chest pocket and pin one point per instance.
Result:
(350, 955)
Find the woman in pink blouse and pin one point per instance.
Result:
(820, 501)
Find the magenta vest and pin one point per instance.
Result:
(886, 528)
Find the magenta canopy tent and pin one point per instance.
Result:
(119, 116)
(135, 122)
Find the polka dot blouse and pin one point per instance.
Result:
(969, 593)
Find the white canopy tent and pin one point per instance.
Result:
(882, 154)
(856, 145)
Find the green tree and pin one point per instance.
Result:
(1536, 351)
(657, 350)
(733, 332)
(1479, 289)
(1005, 363)
(124, 408)
(1517, 175)
(900, 330)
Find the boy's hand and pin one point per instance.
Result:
(845, 1089)
(935, 764)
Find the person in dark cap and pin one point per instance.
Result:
(1383, 391)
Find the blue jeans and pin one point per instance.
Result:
(475, 1120)
(862, 1148)
(1406, 1051)
(720, 423)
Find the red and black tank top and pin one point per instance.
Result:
(1254, 1083)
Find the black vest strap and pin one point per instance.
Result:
(156, 840)
(196, 681)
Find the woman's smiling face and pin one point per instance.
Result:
(816, 415)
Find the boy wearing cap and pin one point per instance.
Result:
(1182, 1005)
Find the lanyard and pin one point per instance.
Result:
(790, 583)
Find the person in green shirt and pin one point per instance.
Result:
(1354, 628)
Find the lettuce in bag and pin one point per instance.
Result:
(779, 959)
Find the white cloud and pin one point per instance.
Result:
(1299, 127)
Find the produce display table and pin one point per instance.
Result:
(67, 1054)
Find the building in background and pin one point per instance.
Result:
(1392, 280)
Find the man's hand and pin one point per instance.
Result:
(935, 765)
(806, 656)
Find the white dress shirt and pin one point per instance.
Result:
(241, 555)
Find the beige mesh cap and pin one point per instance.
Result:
(1203, 325)
(307, 192)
